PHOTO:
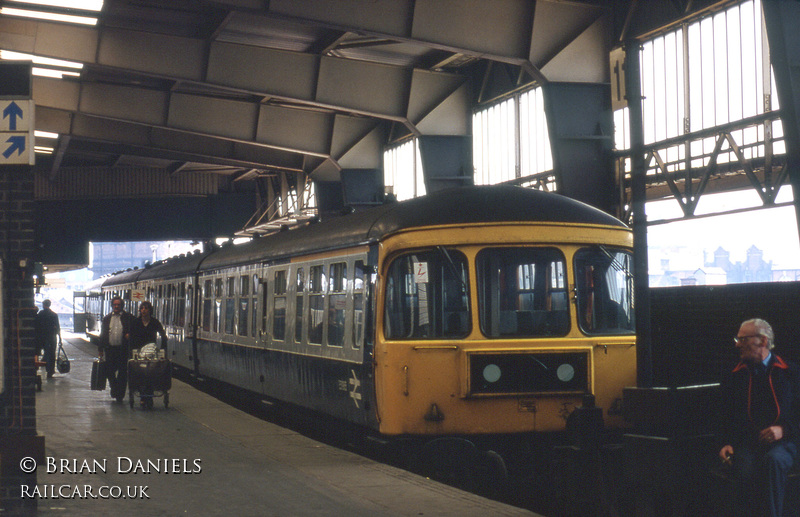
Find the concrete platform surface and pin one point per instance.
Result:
(202, 457)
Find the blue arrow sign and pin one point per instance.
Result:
(12, 111)
(17, 144)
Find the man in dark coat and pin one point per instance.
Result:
(48, 336)
(761, 420)
(115, 335)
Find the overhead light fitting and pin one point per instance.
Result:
(83, 5)
(55, 16)
(44, 134)
(50, 67)
(55, 74)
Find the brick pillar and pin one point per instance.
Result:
(18, 436)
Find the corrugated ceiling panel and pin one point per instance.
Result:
(99, 182)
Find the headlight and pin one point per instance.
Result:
(492, 373)
(565, 372)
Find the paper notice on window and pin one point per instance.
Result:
(421, 272)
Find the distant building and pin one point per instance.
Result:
(110, 257)
(681, 265)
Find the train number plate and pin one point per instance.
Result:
(526, 406)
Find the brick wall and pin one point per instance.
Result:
(18, 400)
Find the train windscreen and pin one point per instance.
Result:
(604, 289)
(427, 296)
(522, 292)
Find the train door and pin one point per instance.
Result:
(79, 312)
(193, 296)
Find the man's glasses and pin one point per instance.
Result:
(741, 339)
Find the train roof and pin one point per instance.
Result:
(462, 205)
(173, 267)
(123, 277)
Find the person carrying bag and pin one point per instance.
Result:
(62, 361)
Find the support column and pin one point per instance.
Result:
(18, 436)
(780, 17)
(633, 89)
(581, 128)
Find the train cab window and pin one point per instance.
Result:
(522, 292)
(359, 286)
(230, 304)
(316, 304)
(604, 289)
(427, 296)
(337, 303)
(279, 306)
(299, 314)
(244, 305)
(208, 299)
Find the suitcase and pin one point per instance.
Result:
(98, 375)
(149, 374)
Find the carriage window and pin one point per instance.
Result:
(169, 294)
(337, 303)
(189, 304)
(359, 285)
(230, 304)
(279, 307)
(522, 292)
(604, 281)
(180, 311)
(217, 315)
(316, 304)
(299, 314)
(244, 305)
(254, 319)
(427, 296)
(207, 301)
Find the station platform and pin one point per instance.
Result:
(202, 457)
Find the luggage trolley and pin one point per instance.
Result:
(149, 375)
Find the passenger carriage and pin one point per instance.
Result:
(481, 310)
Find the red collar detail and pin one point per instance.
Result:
(777, 363)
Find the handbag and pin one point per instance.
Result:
(62, 361)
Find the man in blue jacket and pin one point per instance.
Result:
(761, 420)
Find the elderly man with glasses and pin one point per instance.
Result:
(761, 420)
(115, 335)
